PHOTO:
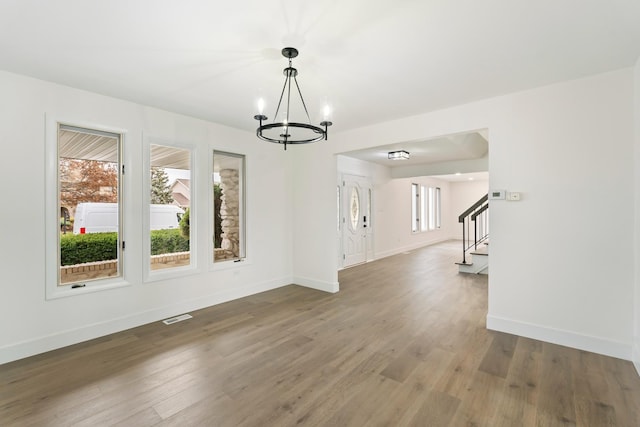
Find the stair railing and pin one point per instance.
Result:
(478, 213)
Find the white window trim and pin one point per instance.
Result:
(247, 260)
(437, 198)
(52, 222)
(428, 205)
(415, 208)
(158, 275)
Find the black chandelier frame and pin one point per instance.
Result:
(285, 137)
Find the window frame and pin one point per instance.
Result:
(53, 289)
(150, 275)
(435, 208)
(438, 208)
(245, 259)
(426, 208)
(415, 208)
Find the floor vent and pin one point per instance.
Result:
(177, 319)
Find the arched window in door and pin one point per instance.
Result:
(354, 210)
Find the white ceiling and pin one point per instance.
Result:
(371, 60)
(455, 154)
(464, 177)
(451, 148)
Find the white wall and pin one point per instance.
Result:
(393, 214)
(33, 324)
(463, 195)
(562, 258)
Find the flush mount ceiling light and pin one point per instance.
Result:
(288, 132)
(399, 155)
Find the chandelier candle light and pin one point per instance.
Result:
(286, 131)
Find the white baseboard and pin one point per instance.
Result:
(58, 340)
(331, 287)
(636, 357)
(396, 251)
(561, 337)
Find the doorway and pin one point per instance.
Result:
(356, 221)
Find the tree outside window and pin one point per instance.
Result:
(169, 208)
(88, 204)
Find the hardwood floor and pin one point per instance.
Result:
(403, 343)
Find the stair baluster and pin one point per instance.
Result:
(480, 234)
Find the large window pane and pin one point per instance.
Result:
(432, 209)
(169, 210)
(423, 208)
(228, 207)
(89, 205)
(435, 210)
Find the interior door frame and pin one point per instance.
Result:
(366, 195)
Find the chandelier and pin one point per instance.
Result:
(285, 131)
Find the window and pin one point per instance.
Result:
(415, 208)
(437, 207)
(354, 208)
(432, 213)
(228, 207)
(89, 208)
(434, 208)
(170, 207)
(425, 208)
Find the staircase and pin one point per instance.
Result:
(478, 262)
(475, 249)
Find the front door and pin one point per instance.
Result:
(356, 219)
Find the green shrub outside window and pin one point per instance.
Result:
(83, 248)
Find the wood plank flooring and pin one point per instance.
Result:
(403, 343)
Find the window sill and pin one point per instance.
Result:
(172, 273)
(68, 291)
(227, 265)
